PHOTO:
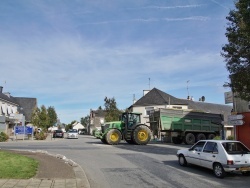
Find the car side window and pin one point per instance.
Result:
(211, 147)
(198, 146)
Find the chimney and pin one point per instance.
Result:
(1, 89)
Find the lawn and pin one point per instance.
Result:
(17, 166)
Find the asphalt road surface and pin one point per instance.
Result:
(152, 166)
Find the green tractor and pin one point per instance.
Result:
(128, 128)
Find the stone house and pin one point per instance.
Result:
(14, 110)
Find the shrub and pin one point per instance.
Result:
(230, 138)
(41, 136)
(3, 137)
(217, 138)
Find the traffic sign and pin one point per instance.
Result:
(236, 122)
(235, 117)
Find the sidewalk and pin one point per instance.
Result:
(79, 179)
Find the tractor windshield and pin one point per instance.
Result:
(131, 118)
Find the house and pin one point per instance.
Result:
(77, 126)
(156, 98)
(14, 110)
(96, 119)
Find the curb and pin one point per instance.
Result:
(81, 178)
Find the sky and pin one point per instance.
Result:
(71, 54)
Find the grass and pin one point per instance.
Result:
(15, 166)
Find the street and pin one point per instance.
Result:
(154, 165)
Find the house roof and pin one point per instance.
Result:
(27, 104)
(158, 97)
(10, 99)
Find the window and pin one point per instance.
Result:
(148, 110)
(211, 147)
(235, 148)
(198, 146)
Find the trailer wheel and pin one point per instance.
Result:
(210, 136)
(113, 137)
(200, 136)
(176, 140)
(141, 135)
(189, 139)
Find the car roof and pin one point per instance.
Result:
(219, 141)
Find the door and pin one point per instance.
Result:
(193, 155)
(209, 154)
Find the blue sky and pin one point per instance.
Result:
(71, 54)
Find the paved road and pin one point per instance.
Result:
(124, 165)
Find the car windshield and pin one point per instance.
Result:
(235, 148)
(58, 131)
(72, 131)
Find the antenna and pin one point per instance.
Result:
(187, 89)
(149, 83)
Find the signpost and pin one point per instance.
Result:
(23, 130)
(236, 119)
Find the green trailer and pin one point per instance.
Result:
(185, 125)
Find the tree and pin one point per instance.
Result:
(85, 121)
(112, 112)
(35, 118)
(237, 51)
(44, 118)
(52, 116)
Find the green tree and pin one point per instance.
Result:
(112, 112)
(85, 121)
(237, 51)
(44, 118)
(35, 117)
(52, 116)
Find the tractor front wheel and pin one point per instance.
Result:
(113, 137)
(141, 135)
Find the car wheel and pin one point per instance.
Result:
(219, 171)
(182, 160)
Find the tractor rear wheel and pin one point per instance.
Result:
(141, 135)
(113, 137)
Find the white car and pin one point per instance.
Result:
(221, 156)
(72, 133)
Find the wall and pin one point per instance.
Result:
(243, 131)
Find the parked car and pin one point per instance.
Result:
(72, 133)
(58, 134)
(221, 156)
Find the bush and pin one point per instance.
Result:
(41, 136)
(3, 137)
(230, 138)
(217, 138)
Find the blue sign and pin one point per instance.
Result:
(23, 130)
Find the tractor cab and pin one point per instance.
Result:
(131, 119)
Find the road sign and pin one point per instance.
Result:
(235, 117)
(236, 122)
(23, 130)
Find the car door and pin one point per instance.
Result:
(193, 154)
(209, 154)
